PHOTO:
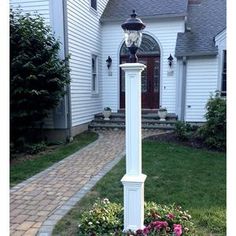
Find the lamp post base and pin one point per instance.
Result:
(133, 201)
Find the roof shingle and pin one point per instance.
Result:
(206, 20)
(121, 9)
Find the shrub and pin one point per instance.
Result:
(37, 75)
(214, 131)
(182, 130)
(106, 218)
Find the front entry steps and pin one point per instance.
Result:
(150, 120)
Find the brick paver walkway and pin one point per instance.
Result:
(39, 202)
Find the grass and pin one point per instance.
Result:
(193, 178)
(25, 168)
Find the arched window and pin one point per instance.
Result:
(149, 46)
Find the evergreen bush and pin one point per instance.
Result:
(37, 75)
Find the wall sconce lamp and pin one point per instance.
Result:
(109, 61)
(170, 60)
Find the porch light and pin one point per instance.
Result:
(133, 35)
(170, 60)
(109, 61)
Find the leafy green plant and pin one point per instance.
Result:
(162, 109)
(106, 218)
(35, 148)
(107, 109)
(37, 75)
(213, 132)
(182, 130)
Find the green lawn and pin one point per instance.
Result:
(195, 179)
(22, 170)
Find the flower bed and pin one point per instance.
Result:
(106, 218)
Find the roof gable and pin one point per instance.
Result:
(121, 9)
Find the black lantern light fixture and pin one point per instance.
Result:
(133, 35)
(109, 61)
(170, 60)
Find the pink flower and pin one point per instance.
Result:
(178, 229)
(160, 224)
(143, 232)
(146, 230)
(170, 216)
(139, 232)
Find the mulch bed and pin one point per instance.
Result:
(17, 158)
(172, 137)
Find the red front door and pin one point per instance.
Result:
(150, 82)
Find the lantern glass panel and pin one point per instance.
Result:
(133, 37)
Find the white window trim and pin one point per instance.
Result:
(94, 92)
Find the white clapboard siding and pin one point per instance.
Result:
(165, 32)
(33, 6)
(84, 39)
(202, 77)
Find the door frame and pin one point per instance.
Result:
(160, 68)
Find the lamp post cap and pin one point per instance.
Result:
(133, 23)
(133, 14)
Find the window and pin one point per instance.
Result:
(224, 75)
(149, 46)
(94, 4)
(94, 74)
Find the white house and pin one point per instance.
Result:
(193, 32)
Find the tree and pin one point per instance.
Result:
(37, 75)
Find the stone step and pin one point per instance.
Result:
(148, 121)
(121, 115)
(122, 126)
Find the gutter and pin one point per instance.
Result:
(68, 88)
(197, 54)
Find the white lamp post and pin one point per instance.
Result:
(133, 180)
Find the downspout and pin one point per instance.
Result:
(68, 90)
(183, 95)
